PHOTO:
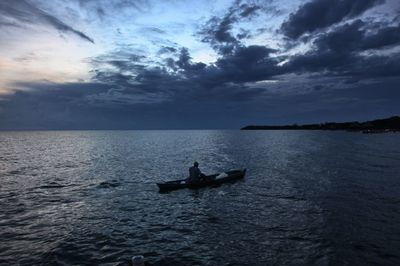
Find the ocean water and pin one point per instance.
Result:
(90, 198)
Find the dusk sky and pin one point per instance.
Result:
(100, 64)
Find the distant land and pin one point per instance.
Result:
(391, 124)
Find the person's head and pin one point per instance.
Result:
(196, 164)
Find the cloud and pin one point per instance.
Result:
(97, 106)
(359, 36)
(247, 10)
(342, 51)
(178, 77)
(384, 37)
(152, 30)
(329, 63)
(343, 39)
(184, 63)
(218, 34)
(166, 50)
(251, 63)
(24, 12)
(218, 31)
(103, 7)
(150, 104)
(243, 64)
(319, 14)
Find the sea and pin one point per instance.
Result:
(308, 198)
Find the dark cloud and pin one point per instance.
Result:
(243, 64)
(252, 63)
(123, 60)
(180, 77)
(341, 51)
(150, 104)
(26, 13)
(138, 5)
(385, 36)
(343, 39)
(319, 14)
(329, 63)
(359, 36)
(218, 31)
(318, 87)
(167, 49)
(243, 34)
(97, 106)
(247, 10)
(184, 63)
(100, 12)
(375, 67)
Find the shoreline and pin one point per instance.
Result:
(391, 124)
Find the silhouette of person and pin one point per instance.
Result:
(195, 175)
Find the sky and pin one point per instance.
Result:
(171, 64)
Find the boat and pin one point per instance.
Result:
(209, 181)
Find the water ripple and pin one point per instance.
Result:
(89, 198)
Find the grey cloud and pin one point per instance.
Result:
(123, 60)
(25, 13)
(153, 29)
(184, 62)
(330, 63)
(252, 63)
(100, 12)
(166, 50)
(339, 51)
(180, 76)
(359, 36)
(97, 106)
(218, 31)
(386, 36)
(247, 10)
(319, 14)
(139, 5)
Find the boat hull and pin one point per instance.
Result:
(211, 180)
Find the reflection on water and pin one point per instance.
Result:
(89, 197)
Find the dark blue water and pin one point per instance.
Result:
(309, 198)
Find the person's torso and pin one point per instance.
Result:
(194, 172)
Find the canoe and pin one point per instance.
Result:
(210, 180)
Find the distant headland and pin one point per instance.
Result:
(391, 124)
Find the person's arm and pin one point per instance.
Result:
(201, 174)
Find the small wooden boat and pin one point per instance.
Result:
(210, 180)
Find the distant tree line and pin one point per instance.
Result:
(374, 126)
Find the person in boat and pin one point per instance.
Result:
(195, 175)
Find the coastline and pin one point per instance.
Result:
(391, 124)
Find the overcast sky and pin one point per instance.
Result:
(102, 64)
